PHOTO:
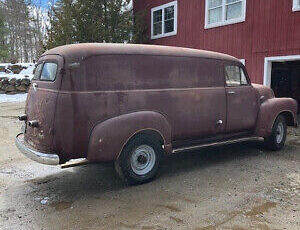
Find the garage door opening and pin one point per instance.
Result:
(282, 73)
(285, 79)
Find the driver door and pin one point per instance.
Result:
(242, 103)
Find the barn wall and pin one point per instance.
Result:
(271, 29)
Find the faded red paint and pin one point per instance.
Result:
(271, 29)
(119, 90)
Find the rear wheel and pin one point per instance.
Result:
(277, 139)
(139, 160)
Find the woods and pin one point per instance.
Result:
(94, 21)
(27, 28)
(21, 30)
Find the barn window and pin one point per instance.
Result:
(164, 20)
(224, 12)
(296, 5)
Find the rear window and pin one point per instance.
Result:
(49, 72)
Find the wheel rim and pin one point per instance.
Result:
(280, 133)
(142, 160)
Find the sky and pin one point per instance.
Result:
(43, 2)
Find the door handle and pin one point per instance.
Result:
(219, 122)
(231, 92)
(34, 85)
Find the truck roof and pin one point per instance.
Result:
(84, 50)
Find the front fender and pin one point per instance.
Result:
(109, 137)
(270, 109)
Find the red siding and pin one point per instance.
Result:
(271, 29)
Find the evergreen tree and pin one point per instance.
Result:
(78, 21)
(3, 45)
(62, 29)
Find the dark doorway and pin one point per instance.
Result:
(285, 79)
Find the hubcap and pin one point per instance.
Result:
(280, 133)
(142, 160)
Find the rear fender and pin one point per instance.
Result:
(109, 137)
(270, 110)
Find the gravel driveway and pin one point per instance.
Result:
(238, 186)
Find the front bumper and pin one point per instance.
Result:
(43, 158)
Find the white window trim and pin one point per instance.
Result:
(268, 66)
(243, 61)
(296, 5)
(224, 22)
(162, 7)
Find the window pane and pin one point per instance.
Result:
(234, 11)
(169, 19)
(233, 76)
(37, 72)
(243, 78)
(169, 12)
(215, 15)
(157, 22)
(157, 16)
(231, 1)
(214, 3)
(49, 72)
(169, 26)
(157, 28)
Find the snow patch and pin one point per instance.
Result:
(13, 98)
(25, 72)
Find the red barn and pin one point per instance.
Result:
(264, 34)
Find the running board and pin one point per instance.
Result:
(215, 144)
(74, 163)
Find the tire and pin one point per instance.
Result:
(139, 161)
(277, 139)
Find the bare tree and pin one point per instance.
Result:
(26, 29)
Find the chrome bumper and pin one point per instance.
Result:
(43, 158)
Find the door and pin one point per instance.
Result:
(242, 101)
(41, 102)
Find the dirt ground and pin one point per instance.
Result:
(240, 186)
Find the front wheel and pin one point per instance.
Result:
(139, 161)
(278, 136)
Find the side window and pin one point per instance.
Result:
(37, 71)
(244, 80)
(49, 72)
(235, 76)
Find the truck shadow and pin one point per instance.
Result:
(99, 179)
